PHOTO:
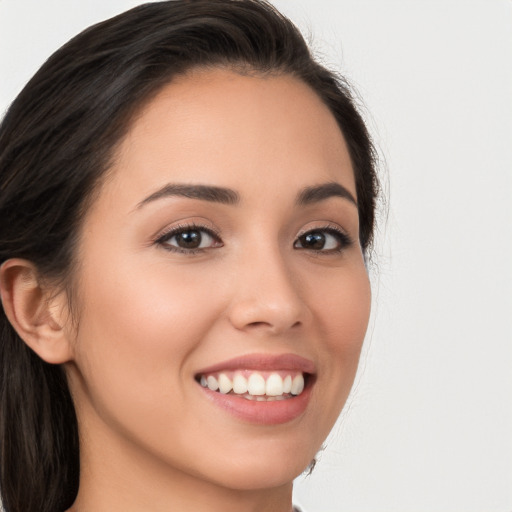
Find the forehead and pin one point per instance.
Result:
(227, 129)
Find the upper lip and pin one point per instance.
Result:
(263, 362)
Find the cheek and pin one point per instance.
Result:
(136, 332)
(147, 306)
(343, 311)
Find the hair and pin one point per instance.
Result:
(57, 142)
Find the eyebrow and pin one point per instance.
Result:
(315, 194)
(203, 192)
(306, 196)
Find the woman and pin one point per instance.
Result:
(187, 200)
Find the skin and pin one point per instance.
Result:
(151, 318)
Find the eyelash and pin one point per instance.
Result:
(343, 239)
(184, 228)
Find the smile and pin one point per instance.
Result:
(262, 389)
(256, 385)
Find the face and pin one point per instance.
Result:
(222, 251)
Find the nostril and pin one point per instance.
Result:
(255, 313)
(274, 327)
(258, 324)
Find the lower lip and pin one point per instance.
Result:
(262, 413)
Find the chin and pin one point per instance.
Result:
(269, 465)
(267, 475)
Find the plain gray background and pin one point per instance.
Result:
(429, 425)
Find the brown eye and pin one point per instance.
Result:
(313, 240)
(189, 239)
(192, 238)
(328, 240)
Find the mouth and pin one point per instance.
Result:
(261, 389)
(261, 386)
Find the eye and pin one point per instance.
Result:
(327, 239)
(189, 239)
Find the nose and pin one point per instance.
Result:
(267, 296)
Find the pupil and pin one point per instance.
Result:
(313, 240)
(189, 239)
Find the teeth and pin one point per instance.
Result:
(212, 383)
(297, 384)
(256, 385)
(266, 386)
(287, 384)
(274, 385)
(239, 384)
(225, 385)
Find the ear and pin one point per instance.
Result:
(38, 315)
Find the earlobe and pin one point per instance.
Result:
(38, 316)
